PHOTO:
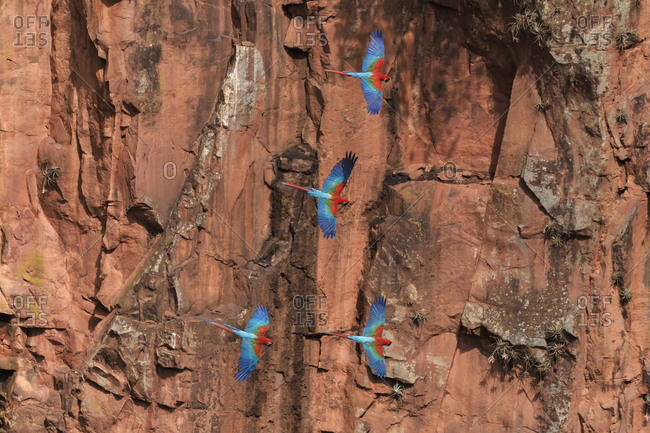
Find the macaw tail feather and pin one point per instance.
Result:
(219, 325)
(336, 72)
(301, 188)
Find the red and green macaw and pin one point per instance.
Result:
(372, 340)
(330, 196)
(371, 76)
(252, 341)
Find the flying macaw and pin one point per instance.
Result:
(252, 340)
(371, 76)
(330, 196)
(372, 340)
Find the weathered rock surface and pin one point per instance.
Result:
(503, 184)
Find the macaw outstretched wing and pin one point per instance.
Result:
(377, 320)
(339, 175)
(327, 217)
(376, 359)
(372, 94)
(259, 322)
(375, 54)
(248, 358)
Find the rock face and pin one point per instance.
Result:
(500, 203)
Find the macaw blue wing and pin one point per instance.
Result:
(375, 52)
(376, 359)
(259, 323)
(372, 94)
(339, 175)
(250, 355)
(377, 319)
(327, 218)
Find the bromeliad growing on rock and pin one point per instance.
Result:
(252, 340)
(330, 196)
(372, 340)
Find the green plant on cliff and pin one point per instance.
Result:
(618, 279)
(543, 366)
(502, 350)
(555, 233)
(526, 360)
(551, 228)
(555, 332)
(556, 350)
(504, 353)
(529, 22)
(541, 106)
(397, 392)
(626, 39)
(625, 293)
(540, 32)
(621, 116)
(419, 317)
(51, 174)
(557, 241)
(520, 22)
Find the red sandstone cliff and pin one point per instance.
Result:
(503, 190)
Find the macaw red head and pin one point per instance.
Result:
(385, 78)
(382, 342)
(264, 340)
